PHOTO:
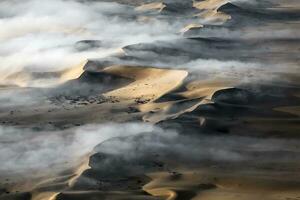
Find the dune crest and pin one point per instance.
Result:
(28, 78)
(209, 10)
(156, 6)
(190, 27)
(73, 72)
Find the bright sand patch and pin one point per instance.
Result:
(149, 83)
(151, 6)
(190, 27)
(209, 10)
(209, 4)
(73, 72)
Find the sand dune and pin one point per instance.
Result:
(72, 73)
(24, 78)
(210, 11)
(159, 6)
(215, 101)
(209, 4)
(186, 100)
(191, 27)
(154, 82)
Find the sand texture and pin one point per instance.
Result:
(199, 100)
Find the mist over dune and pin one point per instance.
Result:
(41, 37)
(32, 150)
(149, 99)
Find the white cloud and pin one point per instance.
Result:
(40, 35)
(26, 150)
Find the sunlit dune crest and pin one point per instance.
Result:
(73, 72)
(151, 6)
(190, 26)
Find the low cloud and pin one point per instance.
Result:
(40, 36)
(25, 150)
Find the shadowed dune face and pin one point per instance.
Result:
(148, 99)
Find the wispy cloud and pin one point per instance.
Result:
(25, 150)
(40, 36)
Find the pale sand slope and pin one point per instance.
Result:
(209, 10)
(149, 83)
(22, 78)
(191, 27)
